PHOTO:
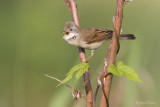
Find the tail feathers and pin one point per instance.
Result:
(127, 36)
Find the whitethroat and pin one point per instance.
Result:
(89, 38)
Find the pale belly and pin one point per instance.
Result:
(91, 46)
(83, 44)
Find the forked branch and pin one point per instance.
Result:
(67, 86)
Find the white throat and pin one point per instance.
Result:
(70, 35)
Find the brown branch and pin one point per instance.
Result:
(117, 26)
(104, 94)
(73, 8)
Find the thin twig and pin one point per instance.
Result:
(67, 86)
(89, 94)
(55, 79)
(117, 26)
(95, 94)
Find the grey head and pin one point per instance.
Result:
(71, 30)
(70, 26)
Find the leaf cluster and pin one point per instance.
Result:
(121, 69)
(80, 69)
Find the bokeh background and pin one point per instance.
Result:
(31, 45)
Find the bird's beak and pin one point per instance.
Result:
(65, 34)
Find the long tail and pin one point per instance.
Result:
(127, 36)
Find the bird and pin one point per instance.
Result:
(89, 38)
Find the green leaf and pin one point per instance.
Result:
(114, 71)
(124, 69)
(76, 68)
(82, 71)
(128, 71)
(65, 80)
(80, 68)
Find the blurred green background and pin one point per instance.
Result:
(31, 45)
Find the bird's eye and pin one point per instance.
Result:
(71, 29)
(67, 33)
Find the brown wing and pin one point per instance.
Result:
(95, 35)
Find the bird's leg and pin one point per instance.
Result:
(92, 54)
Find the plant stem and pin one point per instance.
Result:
(117, 21)
(89, 93)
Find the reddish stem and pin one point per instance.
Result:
(117, 26)
(73, 8)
